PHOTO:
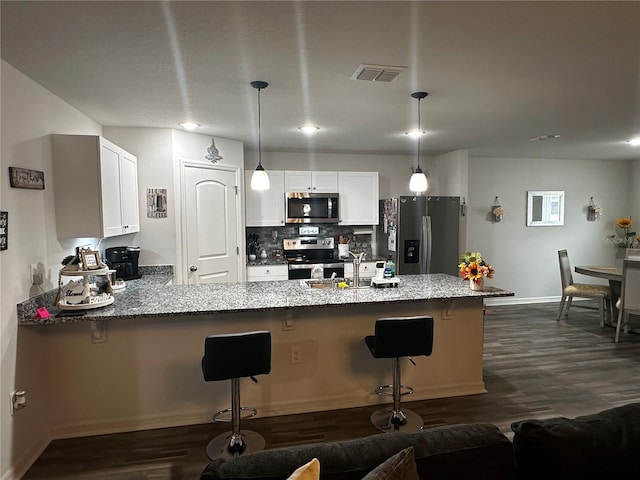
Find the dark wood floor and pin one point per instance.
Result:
(535, 367)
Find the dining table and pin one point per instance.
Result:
(613, 273)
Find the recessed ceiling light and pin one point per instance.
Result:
(415, 133)
(310, 129)
(634, 142)
(189, 125)
(546, 136)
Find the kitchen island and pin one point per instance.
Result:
(154, 340)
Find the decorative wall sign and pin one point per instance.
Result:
(4, 230)
(25, 178)
(156, 202)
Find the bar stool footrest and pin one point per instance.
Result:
(252, 413)
(387, 390)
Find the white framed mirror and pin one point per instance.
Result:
(545, 208)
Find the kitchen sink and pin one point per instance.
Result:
(313, 283)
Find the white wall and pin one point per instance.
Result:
(29, 115)
(154, 149)
(526, 258)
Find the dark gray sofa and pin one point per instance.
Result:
(599, 446)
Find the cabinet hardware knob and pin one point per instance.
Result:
(193, 268)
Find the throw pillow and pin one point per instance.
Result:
(402, 466)
(308, 471)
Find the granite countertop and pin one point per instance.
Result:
(152, 297)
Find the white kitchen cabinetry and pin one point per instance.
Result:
(96, 187)
(358, 198)
(310, 181)
(265, 208)
(267, 273)
(367, 269)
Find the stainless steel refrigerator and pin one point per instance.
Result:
(420, 233)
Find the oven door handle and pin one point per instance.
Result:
(305, 266)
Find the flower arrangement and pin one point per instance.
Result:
(474, 268)
(628, 238)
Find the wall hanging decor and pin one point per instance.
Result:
(156, 202)
(25, 178)
(497, 211)
(4, 230)
(593, 211)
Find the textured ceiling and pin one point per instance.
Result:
(497, 73)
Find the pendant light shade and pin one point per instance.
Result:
(259, 179)
(418, 182)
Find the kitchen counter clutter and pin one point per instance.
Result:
(151, 297)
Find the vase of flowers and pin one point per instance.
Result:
(474, 269)
(626, 239)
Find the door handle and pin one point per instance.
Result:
(193, 268)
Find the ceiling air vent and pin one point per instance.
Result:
(377, 73)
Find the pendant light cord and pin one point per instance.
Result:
(259, 131)
(419, 132)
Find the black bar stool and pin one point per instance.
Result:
(395, 338)
(230, 357)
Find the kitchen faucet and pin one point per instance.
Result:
(357, 259)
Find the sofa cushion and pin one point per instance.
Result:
(308, 471)
(597, 446)
(402, 466)
(455, 452)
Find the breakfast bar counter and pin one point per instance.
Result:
(150, 341)
(152, 297)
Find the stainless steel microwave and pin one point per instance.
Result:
(304, 207)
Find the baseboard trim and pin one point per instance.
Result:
(21, 465)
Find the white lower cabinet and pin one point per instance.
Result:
(267, 273)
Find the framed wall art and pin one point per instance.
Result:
(25, 178)
(4, 230)
(156, 202)
(545, 208)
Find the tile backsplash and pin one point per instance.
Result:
(360, 242)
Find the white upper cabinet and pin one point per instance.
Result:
(358, 198)
(308, 181)
(265, 208)
(96, 187)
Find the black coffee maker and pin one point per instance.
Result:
(124, 260)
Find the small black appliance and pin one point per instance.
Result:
(124, 260)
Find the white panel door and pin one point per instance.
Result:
(211, 217)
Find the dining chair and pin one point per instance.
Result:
(629, 302)
(583, 290)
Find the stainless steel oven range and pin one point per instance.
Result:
(307, 255)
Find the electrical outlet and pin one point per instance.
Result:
(296, 354)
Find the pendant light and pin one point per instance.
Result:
(418, 181)
(259, 179)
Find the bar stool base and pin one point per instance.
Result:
(410, 421)
(218, 447)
